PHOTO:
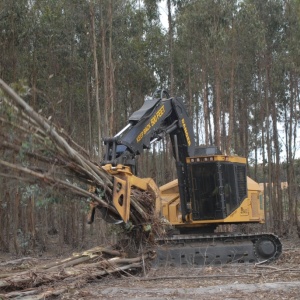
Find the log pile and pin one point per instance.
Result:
(82, 267)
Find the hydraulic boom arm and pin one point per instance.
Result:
(157, 117)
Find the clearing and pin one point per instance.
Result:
(279, 280)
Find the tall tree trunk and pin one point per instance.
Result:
(231, 105)
(16, 211)
(89, 112)
(111, 73)
(269, 148)
(205, 106)
(297, 108)
(217, 104)
(290, 136)
(277, 185)
(170, 37)
(104, 68)
(96, 74)
(189, 86)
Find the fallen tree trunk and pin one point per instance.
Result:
(94, 263)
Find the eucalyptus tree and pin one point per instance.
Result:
(203, 37)
(248, 82)
(290, 103)
(139, 52)
(271, 15)
(15, 36)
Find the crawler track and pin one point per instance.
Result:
(193, 250)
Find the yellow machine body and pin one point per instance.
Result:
(250, 209)
(167, 197)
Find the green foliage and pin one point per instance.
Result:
(100, 193)
(20, 87)
(6, 109)
(29, 191)
(27, 146)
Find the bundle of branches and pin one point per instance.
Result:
(94, 263)
(35, 150)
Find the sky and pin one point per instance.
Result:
(163, 11)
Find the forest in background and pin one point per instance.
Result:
(88, 64)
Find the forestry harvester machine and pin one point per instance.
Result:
(212, 189)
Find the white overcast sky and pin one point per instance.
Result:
(163, 11)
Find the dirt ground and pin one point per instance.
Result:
(278, 280)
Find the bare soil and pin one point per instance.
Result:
(278, 280)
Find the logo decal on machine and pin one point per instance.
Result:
(186, 132)
(152, 122)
